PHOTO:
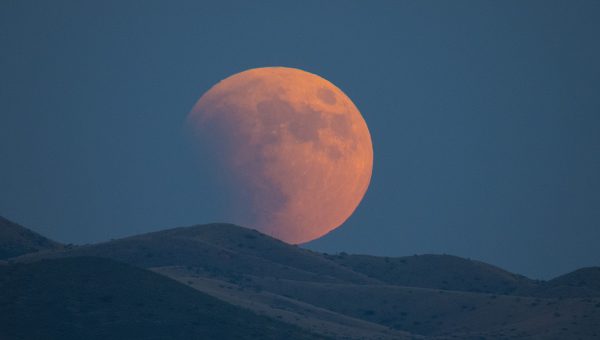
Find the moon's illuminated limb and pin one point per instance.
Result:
(298, 151)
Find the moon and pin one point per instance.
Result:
(295, 151)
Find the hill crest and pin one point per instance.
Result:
(16, 240)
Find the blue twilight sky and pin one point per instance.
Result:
(485, 118)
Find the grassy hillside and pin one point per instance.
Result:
(253, 294)
(223, 250)
(436, 271)
(359, 296)
(434, 312)
(584, 278)
(93, 298)
(16, 240)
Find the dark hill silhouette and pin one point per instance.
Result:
(585, 277)
(16, 240)
(436, 312)
(230, 251)
(94, 298)
(584, 282)
(437, 271)
(358, 296)
(223, 250)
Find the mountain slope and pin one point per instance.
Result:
(585, 277)
(584, 282)
(93, 298)
(435, 312)
(436, 271)
(357, 296)
(16, 240)
(253, 294)
(223, 250)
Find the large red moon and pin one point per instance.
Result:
(295, 150)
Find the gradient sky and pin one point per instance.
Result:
(485, 118)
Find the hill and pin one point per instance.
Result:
(93, 298)
(223, 250)
(359, 296)
(584, 282)
(231, 259)
(444, 313)
(436, 271)
(16, 240)
(584, 277)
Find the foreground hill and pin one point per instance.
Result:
(357, 296)
(233, 252)
(93, 298)
(433, 312)
(232, 259)
(16, 240)
(223, 250)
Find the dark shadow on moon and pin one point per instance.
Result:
(334, 153)
(254, 194)
(250, 193)
(326, 95)
(342, 126)
(306, 125)
(277, 116)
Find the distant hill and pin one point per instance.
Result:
(93, 298)
(584, 282)
(436, 271)
(585, 277)
(16, 240)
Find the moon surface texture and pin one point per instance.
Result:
(295, 151)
